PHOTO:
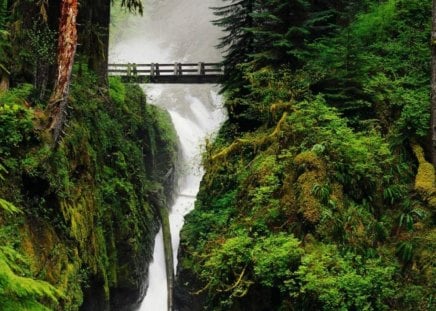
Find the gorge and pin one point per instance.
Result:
(305, 180)
(196, 110)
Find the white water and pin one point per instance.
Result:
(175, 31)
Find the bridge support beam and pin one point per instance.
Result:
(201, 70)
(177, 69)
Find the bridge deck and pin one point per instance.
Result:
(191, 73)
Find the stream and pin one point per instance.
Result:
(174, 31)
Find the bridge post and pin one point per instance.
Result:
(129, 70)
(157, 70)
(177, 69)
(135, 70)
(152, 69)
(200, 70)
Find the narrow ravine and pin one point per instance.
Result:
(174, 31)
(196, 113)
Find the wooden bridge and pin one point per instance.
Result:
(168, 73)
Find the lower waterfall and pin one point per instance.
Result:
(174, 31)
(197, 113)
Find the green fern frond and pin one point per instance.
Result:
(9, 207)
(22, 293)
(2, 170)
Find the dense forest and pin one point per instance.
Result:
(319, 191)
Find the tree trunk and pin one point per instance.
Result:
(100, 61)
(67, 44)
(96, 46)
(4, 81)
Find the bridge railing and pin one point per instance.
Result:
(156, 69)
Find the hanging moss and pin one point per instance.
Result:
(425, 177)
(87, 225)
(315, 173)
(18, 289)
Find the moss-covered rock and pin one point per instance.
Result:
(87, 224)
(425, 177)
(271, 213)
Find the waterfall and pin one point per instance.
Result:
(174, 31)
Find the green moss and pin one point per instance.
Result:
(315, 173)
(425, 177)
(19, 290)
(117, 91)
(86, 217)
(310, 189)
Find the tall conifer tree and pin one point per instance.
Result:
(235, 18)
(279, 31)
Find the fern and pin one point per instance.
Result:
(2, 170)
(19, 292)
(5, 205)
(8, 207)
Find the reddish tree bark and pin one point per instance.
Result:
(67, 43)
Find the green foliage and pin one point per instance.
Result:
(85, 205)
(2, 171)
(5, 205)
(358, 159)
(317, 148)
(376, 68)
(132, 5)
(4, 37)
(8, 207)
(227, 269)
(3, 14)
(279, 30)
(226, 266)
(42, 44)
(16, 125)
(276, 257)
(19, 292)
(117, 90)
(235, 17)
(345, 282)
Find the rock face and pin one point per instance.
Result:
(88, 221)
(183, 298)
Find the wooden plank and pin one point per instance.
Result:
(165, 70)
(172, 79)
(186, 79)
(117, 65)
(131, 64)
(189, 70)
(165, 64)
